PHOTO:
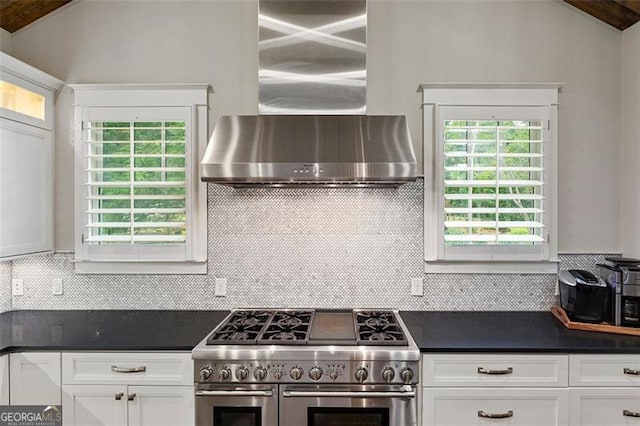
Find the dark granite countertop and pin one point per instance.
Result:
(105, 330)
(508, 332)
(102, 330)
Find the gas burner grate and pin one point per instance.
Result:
(378, 328)
(241, 328)
(287, 328)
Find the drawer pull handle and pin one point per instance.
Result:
(482, 370)
(131, 396)
(632, 372)
(117, 369)
(496, 415)
(629, 413)
(119, 396)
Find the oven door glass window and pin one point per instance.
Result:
(237, 416)
(338, 416)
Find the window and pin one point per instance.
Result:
(140, 205)
(490, 199)
(21, 100)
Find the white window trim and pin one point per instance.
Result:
(193, 96)
(435, 95)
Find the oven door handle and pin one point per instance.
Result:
(266, 392)
(347, 394)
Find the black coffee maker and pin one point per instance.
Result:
(623, 277)
(583, 296)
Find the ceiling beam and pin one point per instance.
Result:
(620, 14)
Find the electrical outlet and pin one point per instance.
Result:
(56, 286)
(221, 287)
(416, 287)
(17, 287)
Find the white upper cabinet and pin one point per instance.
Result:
(26, 158)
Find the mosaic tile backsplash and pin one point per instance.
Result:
(5, 286)
(307, 247)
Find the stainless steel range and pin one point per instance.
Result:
(307, 367)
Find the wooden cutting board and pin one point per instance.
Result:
(559, 313)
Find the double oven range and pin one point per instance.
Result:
(307, 368)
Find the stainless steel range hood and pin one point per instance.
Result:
(364, 150)
(312, 74)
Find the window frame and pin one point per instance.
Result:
(128, 102)
(440, 99)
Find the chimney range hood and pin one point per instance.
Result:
(312, 99)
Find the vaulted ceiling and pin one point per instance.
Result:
(617, 13)
(16, 14)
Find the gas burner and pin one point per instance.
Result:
(292, 318)
(242, 328)
(288, 327)
(378, 328)
(249, 318)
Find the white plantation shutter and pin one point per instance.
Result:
(136, 182)
(140, 207)
(493, 182)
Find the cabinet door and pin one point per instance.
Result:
(26, 189)
(34, 378)
(482, 406)
(85, 405)
(4, 380)
(605, 406)
(161, 405)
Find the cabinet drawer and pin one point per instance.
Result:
(150, 368)
(481, 406)
(605, 406)
(604, 370)
(450, 370)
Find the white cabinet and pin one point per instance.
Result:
(513, 389)
(605, 389)
(495, 370)
(128, 388)
(26, 183)
(34, 378)
(503, 406)
(605, 406)
(128, 405)
(94, 405)
(26, 158)
(4, 380)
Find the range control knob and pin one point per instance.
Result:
(277, 374)
(315, 373)
(296, 373)
(224, 374)
(205, 373)
(406, 374)
(242, 373)
(361, 374)
(260, 374)
(333, 374)
(388, 373)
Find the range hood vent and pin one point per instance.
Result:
(312, 99)
(326, 150)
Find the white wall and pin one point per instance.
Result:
(5, 41)
(410, 42)
(630, 146)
